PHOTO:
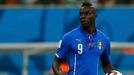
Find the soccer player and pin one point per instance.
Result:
(85, 46)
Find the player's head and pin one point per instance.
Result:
(87, 14)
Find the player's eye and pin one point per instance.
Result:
(89, 13)
(81, 13)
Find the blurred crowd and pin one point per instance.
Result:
(36, 2)
(65, 2)
(106, 3)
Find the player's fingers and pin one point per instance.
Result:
(114, 73)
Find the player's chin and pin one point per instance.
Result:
(84, 24)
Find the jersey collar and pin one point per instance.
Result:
(86, 33)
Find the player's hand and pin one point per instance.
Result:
(114, 72)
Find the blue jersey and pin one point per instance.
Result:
(83, 51)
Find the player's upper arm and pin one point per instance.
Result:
(106, 54)
(107, 47)
(105, 57)
(63, 47)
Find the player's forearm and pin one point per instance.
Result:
(56, 66)
(107, 67)
(56, 69)
(105, 60)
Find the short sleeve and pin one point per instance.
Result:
(63, 47)
(106, 54)
(107, 47)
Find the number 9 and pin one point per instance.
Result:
(80, 48)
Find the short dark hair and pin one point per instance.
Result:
(86, 3)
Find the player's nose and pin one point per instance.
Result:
(83, 17)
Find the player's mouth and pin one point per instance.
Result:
(83, 22)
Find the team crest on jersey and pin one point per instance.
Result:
(100, 44)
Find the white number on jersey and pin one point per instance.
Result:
(80, 48)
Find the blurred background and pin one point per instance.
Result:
(30, 31)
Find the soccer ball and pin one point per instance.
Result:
(113, 73)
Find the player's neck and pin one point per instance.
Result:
(91, 29)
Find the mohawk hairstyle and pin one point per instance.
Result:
(87, 4)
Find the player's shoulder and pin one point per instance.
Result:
(71, 33)
(102, 35)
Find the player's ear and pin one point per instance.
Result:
(95, 13)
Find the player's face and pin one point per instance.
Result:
(87, 16)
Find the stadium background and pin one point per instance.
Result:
(46, 21)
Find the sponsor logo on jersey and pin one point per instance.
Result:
(78, 40)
